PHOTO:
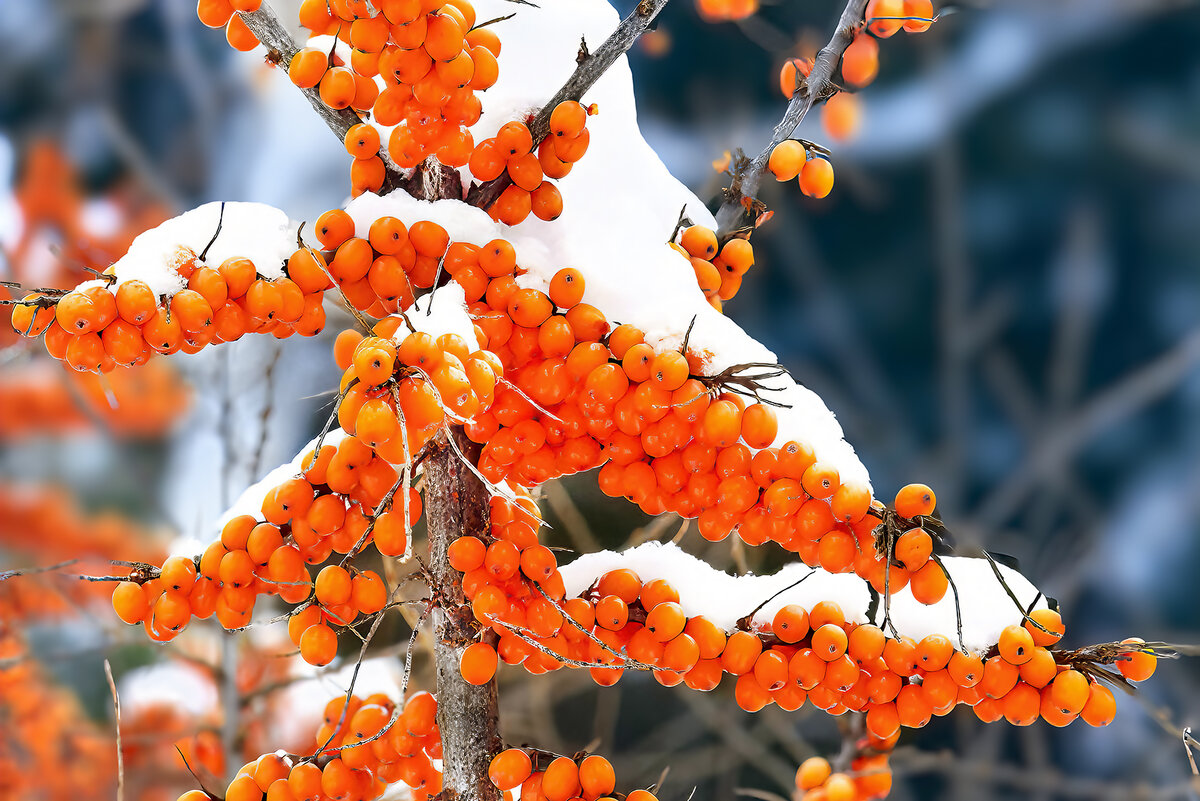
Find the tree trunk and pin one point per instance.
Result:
(456, 503)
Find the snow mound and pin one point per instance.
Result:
(254, 231)
(724, 599)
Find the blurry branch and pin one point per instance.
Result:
(1129, 396)
(265, 24)
(817, 87)
(112, 685)
(591, 67)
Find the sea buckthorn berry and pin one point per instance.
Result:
(790, 623)
(129, 602)
(816, 178)
(566, 288)
(741, 652)
(915, 500)
(1136, 665)
(596, 777)
(307, 67)
(1045, 626)
(922, 10)
(913, 548)
(338, 87)
(860, 62)
(790, 74)
(1016, 645)
(612, 613)
(333, 228)
(560, 780)
(514, 140)
(1101, 707)
(568, 118)
(545, 201)
(883, 28)
(214, 13)
(786, 160)
(477, 664)
(333, 585)
(820, 480)
(829, 642)
(812, 773)
(510, 768)
(318, 645)
(699, 242)
(929, 584)
(362, 141)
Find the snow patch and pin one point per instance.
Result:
(254, 231)
(250, 501)
(724, 599)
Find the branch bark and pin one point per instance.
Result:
(456, 503)
(819, 86)
(265, 24)
(590, 68)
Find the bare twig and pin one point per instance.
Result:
(112, 685)
(587, 73)
(816, 88)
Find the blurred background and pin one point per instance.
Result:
(1000, 298)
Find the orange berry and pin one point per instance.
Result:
(1016, 645)
(1136, 665)
(510, 768)
(816, 178)
(477, 663)
(786, 160)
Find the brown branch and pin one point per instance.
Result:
(112, 685)
(265, 24)
(456, 503)
(587, 73)
(818, 86)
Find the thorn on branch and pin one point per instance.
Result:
(583, 53)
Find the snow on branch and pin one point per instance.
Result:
(590, 67)
(817, 87)
(985, 605)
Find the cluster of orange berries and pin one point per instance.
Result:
(511, 581)
(869, 775)
(223, 14)
(363, 745)
(789, 159)
(719, 268)
(98, 327)
(510, 152)
(431, 61)
(305, 520)
(546, 777)
(814, 655)
(38, 400)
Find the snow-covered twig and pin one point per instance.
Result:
(591, 67)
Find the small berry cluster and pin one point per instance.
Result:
(719, 268)
(102, 324)
(869, 775)
(222, 14)
(361, 747)
(542, 776)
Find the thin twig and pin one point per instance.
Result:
(818, 86)
(112, 685)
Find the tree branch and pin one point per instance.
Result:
(586, 74)
(457, 504)
(818, 86)
(265, 24)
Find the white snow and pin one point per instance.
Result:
(250, 501)
(443, 312)
(254, 231)
(724, 599)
